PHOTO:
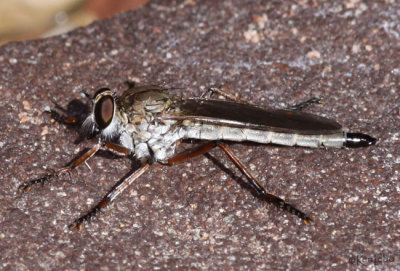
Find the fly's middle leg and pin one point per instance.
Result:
(181, 157)
(26, 187)
(106, 201)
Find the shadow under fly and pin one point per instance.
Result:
(147, 123)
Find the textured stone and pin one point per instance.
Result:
(195, 215)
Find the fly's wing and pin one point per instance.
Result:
(233, 114)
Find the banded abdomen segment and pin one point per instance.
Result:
(214, 132)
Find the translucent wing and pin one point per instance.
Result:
(226, 113)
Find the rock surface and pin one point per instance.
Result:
(195, 215)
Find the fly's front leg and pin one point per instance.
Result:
(302, 105)
(261, 190)
(50, 177)
(83, 158)
(63, 119)
(77, 224)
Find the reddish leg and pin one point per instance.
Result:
(261, 190)
(191, 153)
(71, 121)
(83, 158)
(254, 183)
(26, 187)
(299, 106)
(77, 224)
(50, 177)
(62, 119)
(109, 197)
(227, 95)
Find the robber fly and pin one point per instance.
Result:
(148, 122)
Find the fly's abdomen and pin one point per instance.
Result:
(215, 132)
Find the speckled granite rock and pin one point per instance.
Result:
(195, 215)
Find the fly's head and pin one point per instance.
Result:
(103, 120)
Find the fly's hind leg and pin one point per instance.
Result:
(299, 106)
(302, 105)
(254, 183)
(261, 190)
(219, 91)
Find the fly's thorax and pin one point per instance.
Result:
(157, 139)
(148, 131)
(143, 100)
(142, 106)
(164, 138)
(149, 137)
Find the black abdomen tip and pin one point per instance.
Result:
(355, 140)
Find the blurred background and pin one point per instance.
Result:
(31, 19)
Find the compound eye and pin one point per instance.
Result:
(104, 111)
